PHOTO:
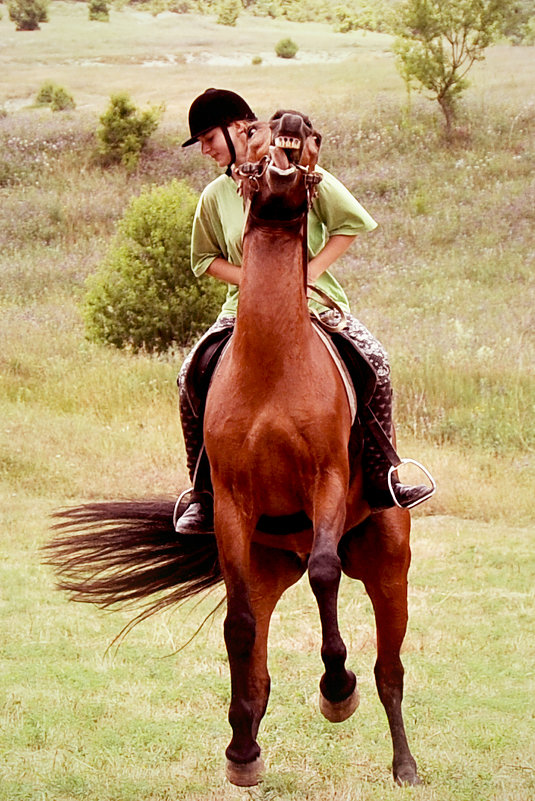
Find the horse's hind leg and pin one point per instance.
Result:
(338, 687)
(381, 560)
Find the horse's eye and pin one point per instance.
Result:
(251, 132)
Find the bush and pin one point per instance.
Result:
(28, 13)
(286, 48)
(144, 294)
(124, 131)
(99, 11)
(45, 93)
(62, 100)
(229, 11)
(58, 98)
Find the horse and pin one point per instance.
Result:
(288, 486)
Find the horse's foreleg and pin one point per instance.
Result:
(254, 582)
(272, 572)
(338, 687)
(385, 579)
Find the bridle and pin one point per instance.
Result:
(253, 171)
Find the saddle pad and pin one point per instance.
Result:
(342, 369)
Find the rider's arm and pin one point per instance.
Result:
(335, 247)
(225, 271)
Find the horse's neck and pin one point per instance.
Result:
(272, 311)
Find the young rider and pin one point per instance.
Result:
(219, 120)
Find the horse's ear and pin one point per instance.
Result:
(311, 150)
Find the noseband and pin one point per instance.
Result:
(253, 171)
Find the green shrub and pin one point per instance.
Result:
(229, 11)
(99, 11)
(144, 295)
(256, 60)
(58, 98)
(45, 93)
(266, 8)
(27, 14)
(286, 48)
(124, 131)
(62, 100)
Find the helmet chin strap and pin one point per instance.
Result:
(231, 149)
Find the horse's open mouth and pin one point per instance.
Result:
(280, 163)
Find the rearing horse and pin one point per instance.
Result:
(277, 430)
(277, 433)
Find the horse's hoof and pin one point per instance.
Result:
(338, 711)
(407, 775)
(245, 775)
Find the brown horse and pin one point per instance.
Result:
(277, 433)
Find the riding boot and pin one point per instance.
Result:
(198, 518)
(193, 383)
(376, 465)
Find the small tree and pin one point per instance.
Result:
(438, 42)
(144, 294)
(99, 11)
(228, 12)
(27, 14)
(124, 131)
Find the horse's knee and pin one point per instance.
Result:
(389, 680)
(324, 571)
(240, 632)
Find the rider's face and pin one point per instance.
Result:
(214, 144)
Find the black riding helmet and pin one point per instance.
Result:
(217, 108)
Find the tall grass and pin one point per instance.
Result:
(446, 282)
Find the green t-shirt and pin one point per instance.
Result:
(219, 220)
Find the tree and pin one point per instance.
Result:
(437, 44)
(27, 14)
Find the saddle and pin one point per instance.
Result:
(211, 347)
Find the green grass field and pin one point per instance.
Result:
(446, 283)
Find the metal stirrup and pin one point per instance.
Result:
(177, 511)
(430, 493)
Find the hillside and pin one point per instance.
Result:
(446, 282)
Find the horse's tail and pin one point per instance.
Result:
(117, 553)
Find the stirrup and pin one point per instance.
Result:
(432, 488)
(181, 505)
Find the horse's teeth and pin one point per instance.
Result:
(287, 142)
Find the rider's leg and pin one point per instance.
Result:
(193, 382)
(375, 462)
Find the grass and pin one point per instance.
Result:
(80, 722)
(447, 284)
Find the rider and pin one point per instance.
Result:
(219, 119)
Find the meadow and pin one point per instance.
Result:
(446, 283)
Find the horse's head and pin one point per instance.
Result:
(278, 177)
